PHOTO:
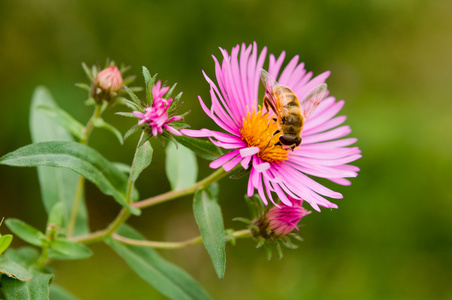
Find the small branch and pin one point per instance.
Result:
(160, 245)
(81, 180)
(175, 245)
(124, 214)
(217, 175)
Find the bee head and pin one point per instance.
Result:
(290, 141)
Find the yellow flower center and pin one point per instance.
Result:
(258, 131)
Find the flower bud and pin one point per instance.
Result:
(280, 221)
(109, 79)
(157, 116)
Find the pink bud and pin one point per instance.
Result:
(282, 221)
(109, 79)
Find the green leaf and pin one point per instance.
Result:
(165, 277)
(5, 241)
(64, 119)
(202, 148)
(142, 160)
(79, 158)
(35, 288)
(59, 293)
(25, 256)
(125, 168)
(181, 167)
(135, 99)
(100, 123)
(57, 184)
(26, 232)
(210, 221)
(65, 249)
(56, 215)
(13, 269)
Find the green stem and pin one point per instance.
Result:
(44, 253)
(175, 245)
(81, 180)
(124, 214)
(215, 176)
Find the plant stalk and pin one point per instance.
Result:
(81, 180)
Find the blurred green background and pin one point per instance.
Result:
(391, 60)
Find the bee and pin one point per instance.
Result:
(291, 114)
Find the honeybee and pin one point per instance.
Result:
(291, 114)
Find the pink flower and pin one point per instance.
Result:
(109, 79)
(249, 130)
(282, 220)
(156, 115)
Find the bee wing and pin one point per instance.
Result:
(312, 99)
(270, 86)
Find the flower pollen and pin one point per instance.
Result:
(257, 131)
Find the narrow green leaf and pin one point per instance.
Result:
(26, 232)
(59, 293)
(132, 95)
(64, 119)
(65, 249)
(5, 241)
(132, 130)
(210, 221)
(125, 114)
(80, 158)
(202, 148)
(35, 288)
(56, 215)
(13, 269)
(100, 123)
(25, 256)
(84, 86)
(125, 168)
(143, 159)
(181, 166)
(57, 184)
(165, 277)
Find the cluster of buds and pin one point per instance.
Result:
(275, 225)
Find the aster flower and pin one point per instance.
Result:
(249, 131)
(156, 115)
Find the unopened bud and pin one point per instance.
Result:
(109, 79)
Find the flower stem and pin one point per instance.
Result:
(81, 180)
(124, 214)
(176, 245)
(215, 176)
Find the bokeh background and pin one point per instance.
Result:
(391, 237)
